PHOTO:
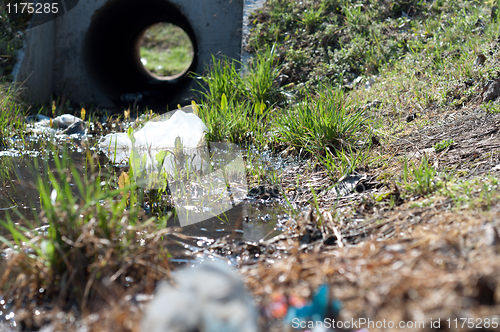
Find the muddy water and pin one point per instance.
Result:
(251, 220)
(19, 169)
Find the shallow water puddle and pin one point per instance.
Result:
(251, 219)
(19, 170)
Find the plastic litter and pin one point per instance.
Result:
(169, 152)
(294, 309)
(207, 298)
(318, 309)
(159, 135)
(65, 124)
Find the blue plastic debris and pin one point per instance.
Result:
(318, 309)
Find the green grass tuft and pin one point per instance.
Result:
(420, 179)
(92, 239)
(438, 147)
(322, 121)
(11, 114)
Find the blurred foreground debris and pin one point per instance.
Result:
(206, 298)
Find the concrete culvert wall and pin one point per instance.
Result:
(91, 53)
(111, 51)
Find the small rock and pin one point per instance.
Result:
(65, 121)
(63, 124)
(282, 80)
(74, 128)
(395, 247)
(491, 90)
(370, 105)
(481, 58)
(491, 236)
(263, 192)
(469, 82)
(480, 27)
(455, 54)
(353, 84)
(479, 23)
(369, 83)
(347, 184)
(411, 117)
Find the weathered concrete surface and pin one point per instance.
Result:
(39, 56)
(90, 54)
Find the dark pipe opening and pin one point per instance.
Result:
(111, 52)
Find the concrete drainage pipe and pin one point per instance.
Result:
(90, 54)
(112, 52)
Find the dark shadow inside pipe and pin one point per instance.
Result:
(111, 52)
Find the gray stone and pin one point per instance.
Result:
(491, 235)
(75, 128)
(372, 105)
(65, 121)
(491, 91)
(481, 58)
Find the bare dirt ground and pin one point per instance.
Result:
(419, 260)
